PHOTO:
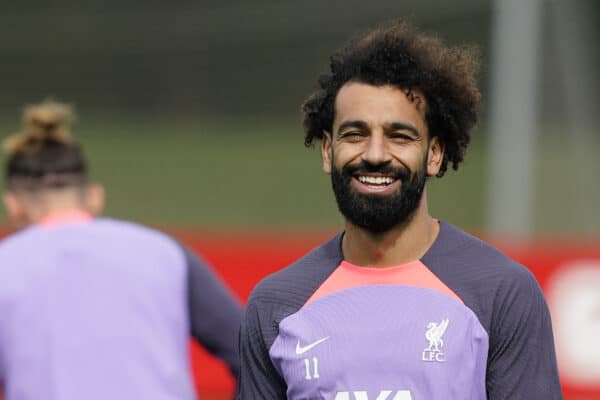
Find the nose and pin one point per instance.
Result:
(376, 151)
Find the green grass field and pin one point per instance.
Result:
(257, 174)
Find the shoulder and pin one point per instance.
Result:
(21, 242)
(480, 274)
(126, 226)
(510, 305)
(296, 282)
(464, 253)
(135, 233)
(285, 292)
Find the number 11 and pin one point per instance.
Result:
(315, 371)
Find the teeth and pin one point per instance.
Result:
(376, 180)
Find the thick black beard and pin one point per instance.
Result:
(378, 213)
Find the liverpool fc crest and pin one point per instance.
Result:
(434, 334)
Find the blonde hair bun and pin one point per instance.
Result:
(45, 122)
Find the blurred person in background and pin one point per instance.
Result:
(401, 305)
(90, 307)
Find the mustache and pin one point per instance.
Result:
(399, 172)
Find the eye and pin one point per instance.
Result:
(400, 136)
(352, 135)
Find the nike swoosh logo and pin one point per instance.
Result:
(304, 349)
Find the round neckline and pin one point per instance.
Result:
(379, 270)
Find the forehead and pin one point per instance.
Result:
(378, 105)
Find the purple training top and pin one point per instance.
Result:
(462, 323)
(103, 309)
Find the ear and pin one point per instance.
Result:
(435, 156)
(16, 210)
(94, 199)
(326, 152)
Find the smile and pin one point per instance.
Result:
(371, 184)
(376, 180)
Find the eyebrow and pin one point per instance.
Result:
(401, 126)
(352, 124)
(392, 126)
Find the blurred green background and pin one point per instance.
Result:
(189, 110)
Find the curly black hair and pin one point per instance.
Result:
(399, 55)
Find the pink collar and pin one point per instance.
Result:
(67, 216)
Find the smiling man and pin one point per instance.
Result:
(401, 305)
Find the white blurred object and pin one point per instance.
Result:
(574, 299)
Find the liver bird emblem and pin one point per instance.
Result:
(434, 334)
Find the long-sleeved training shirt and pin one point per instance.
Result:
(464, 322)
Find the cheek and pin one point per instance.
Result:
(346, 153)
(411, 155)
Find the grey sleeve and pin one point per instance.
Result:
(521, 360)
(215, 314)
(258, 380)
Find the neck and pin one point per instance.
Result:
(54, 202)
(65, 209)
(401, 244)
